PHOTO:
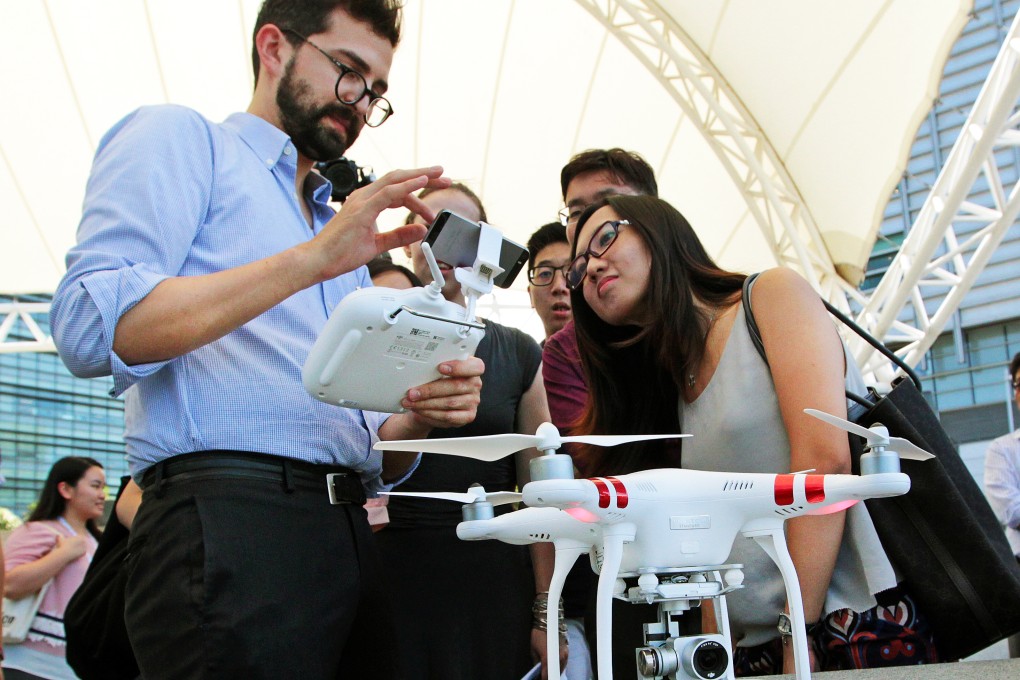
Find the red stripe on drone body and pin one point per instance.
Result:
(814, 488)
(784, 489)
(603, 490)
(621, 492)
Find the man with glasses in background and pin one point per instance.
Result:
(208, 261)
(548, 257)
(587, 178)
(1002, 481)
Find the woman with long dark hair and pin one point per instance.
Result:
(55, 544)
(665, 348)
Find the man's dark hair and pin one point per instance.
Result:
(626, 167)
(547, 234)
(1014, 367)
(308, 17)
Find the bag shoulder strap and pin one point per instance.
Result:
(752, 329)
(752, 325)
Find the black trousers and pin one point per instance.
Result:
(243, 578)
(465, 606)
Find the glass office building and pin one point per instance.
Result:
(964, 372)
(45, 414)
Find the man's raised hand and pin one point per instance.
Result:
(351, 238)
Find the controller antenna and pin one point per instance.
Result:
(436, 287)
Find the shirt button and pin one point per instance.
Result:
(286, 150)
(269, 162)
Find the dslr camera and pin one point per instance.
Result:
(346, 176)
(696, 657)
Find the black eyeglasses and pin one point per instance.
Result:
(601, 240)
(543, 275)
(349, 80)
(569, 215)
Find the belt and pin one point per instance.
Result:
(342, 484)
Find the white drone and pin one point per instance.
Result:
(672, 528)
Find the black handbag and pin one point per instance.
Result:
(942, 536)
(97, 642)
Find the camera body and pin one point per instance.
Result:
(345, 176)
(694, 657)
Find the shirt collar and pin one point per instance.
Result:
(273, 146)
(321, 188)
(269, 142)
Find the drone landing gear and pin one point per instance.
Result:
(773, 541)
(668, 655)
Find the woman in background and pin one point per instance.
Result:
(56, 543)
(665, 347)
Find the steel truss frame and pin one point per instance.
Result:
(12, 312)
(932, 257)
(747, 155)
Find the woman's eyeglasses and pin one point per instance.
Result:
(601, 240)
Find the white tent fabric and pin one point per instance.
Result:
(502, 93)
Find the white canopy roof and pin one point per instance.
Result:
(502, 93)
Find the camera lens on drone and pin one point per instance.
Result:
(705, 659)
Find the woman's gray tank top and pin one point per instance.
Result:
(737, 427)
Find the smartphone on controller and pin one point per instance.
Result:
(454, 240)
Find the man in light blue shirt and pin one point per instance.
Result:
(207, 263)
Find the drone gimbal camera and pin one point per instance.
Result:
(696, 657)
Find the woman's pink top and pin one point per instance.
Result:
(30, 542)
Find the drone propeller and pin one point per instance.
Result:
(474, 494)
(495, 446)
(877, 436)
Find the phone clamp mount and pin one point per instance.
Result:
(380, 342)
(478, 280)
